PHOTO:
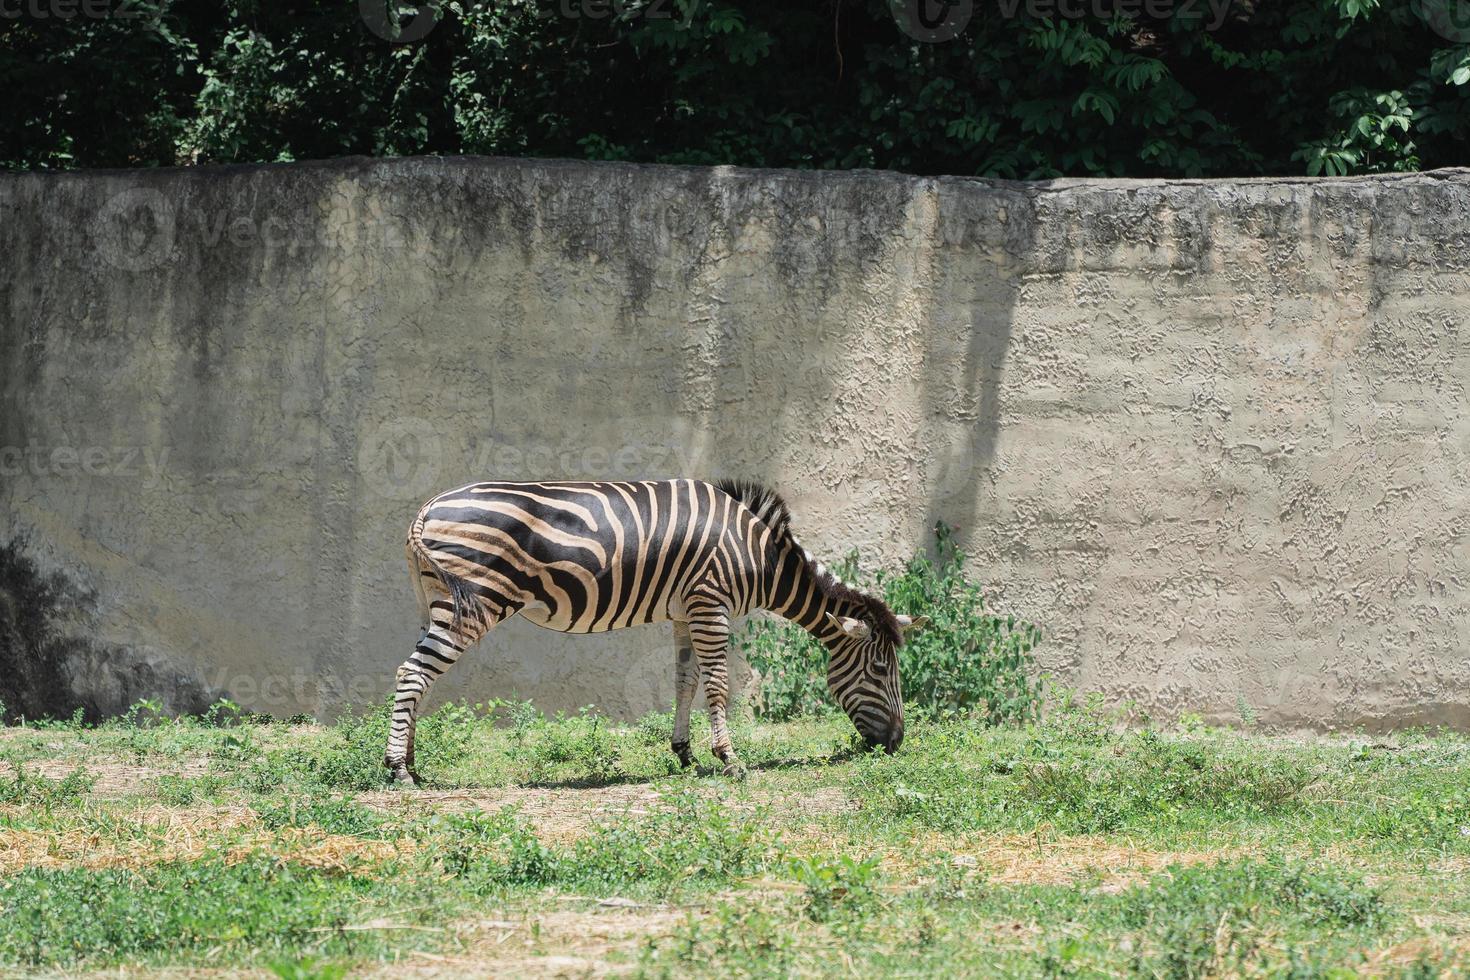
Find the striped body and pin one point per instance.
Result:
(590, 557)
(597, 556)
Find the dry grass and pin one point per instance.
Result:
(1016, 859)
(592, 942)
(1030, 860)
(557, 816)
(1453, 956)
(117, 779)
(564, 815)
(159, 834)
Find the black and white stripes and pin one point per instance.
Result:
(591, 557)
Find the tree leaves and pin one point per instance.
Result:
(1326, 87)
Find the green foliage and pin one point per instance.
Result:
(1155, 778)
(145, 713)
(965, 662)
(748, 939)
(1267, 88)
(33, 789)
(309, 968)
(1423, 814)
(792, 667)
(172, 790)
(494, 849)
(688, 838)
(1374, 138)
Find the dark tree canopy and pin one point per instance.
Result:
(1029, 88)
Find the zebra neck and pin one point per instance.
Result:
(797, 593)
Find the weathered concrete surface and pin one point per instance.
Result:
(1212, 435)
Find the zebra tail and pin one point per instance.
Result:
(461, 593)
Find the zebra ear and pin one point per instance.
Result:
(908, 624)
(855, 628)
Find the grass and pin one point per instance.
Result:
(1066, 846)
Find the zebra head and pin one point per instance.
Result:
(862, 674)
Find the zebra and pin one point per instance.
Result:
(596, 556)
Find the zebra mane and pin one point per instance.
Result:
(767, 504)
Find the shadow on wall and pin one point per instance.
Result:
(51, 668)
(984, 242)
(896, 300)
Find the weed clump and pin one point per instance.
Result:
(581, 748)
(33, 789)
(492, 849)
(332, 814)
(836, 885)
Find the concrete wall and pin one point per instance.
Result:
(1211, 435)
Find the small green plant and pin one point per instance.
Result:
(746, 939)
(145, 713)
(835, 885)
(225, 713)
(688, 838)
(309, 968)
(966, 662)
(655, 728)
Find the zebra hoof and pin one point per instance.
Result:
(404, 777)
(686, 757)
(735, 770)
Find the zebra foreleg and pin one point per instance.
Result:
(440, 646)
(711, 637)
(686, 682)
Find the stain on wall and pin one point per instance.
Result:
(1211, 435)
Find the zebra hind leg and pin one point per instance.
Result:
(686, 682)
(438, 649)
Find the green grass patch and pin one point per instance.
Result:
(1183, 851)
(255, 909)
